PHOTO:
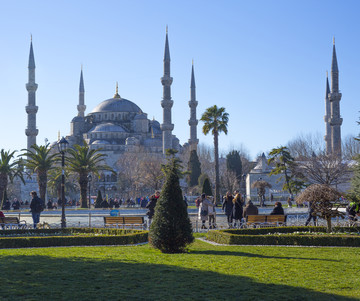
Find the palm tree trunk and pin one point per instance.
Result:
(3, 186)
(42, 182)
(216, 153)
(83, 182)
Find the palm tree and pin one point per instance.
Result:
(10, 168)
(81, 160)
(215, 120)
(39, 160)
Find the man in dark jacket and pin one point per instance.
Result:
(250, 209)
(278, 209)
(36, 206)
(151, 205)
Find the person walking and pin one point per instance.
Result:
(227, 207)
(36, 207)
(212, 215)
(205, 204)
(310, 214)
(237, 208)
(151, 206)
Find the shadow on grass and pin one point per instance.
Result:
(48, 278)
(244, 254)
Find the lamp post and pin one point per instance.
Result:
(89, 181)
(62, 146)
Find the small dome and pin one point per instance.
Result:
(116, 105)
(107, 127)
(78, 119)
(140, 116)
(100, 142)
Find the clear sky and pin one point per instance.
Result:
(264, 61)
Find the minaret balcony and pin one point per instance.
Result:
(336, 121)
(167, 127)
(193, 122)
(31, 87)
(167, 103)
(193, 104)
(31, 109)
(335, 96)
(31, 132)
(166, 80)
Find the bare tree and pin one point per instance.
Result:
(350, 147)
(305, 146)
(324, 200)
(324, 168)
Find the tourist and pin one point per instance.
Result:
(250, 209)
(212, 215)
(278, 209)
(205, 204)
(151, 205)
(16, 204)
(353, 209)
(310, 214)
(49, 204)
(237, 208)
(227, 207)
(36, 206)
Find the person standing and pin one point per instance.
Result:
(36, 206)
(310, 214)
(237, 208)
(227, 207)
(205, 204)
(151, 206)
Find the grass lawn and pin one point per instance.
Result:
(205, 273)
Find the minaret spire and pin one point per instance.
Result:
(31, 109)
(81, 106)
(334, 98)
(167, 102)
(193, 122)
(327, 116)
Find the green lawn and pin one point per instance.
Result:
(205, 273)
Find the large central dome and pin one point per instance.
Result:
(116, 105)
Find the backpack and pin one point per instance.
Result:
(39, 205)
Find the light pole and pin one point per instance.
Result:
(89, 180)
(62, 146)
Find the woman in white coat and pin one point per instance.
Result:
(205, 204)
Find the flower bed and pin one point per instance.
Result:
(70, 237)
(296, 236)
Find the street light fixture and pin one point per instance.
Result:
(89, 180)
(62, 146)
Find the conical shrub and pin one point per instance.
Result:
(171, 229)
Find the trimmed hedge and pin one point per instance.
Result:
(269, 236)
(64, 237)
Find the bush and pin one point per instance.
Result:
(171, 228)
(277, 236)
(70, 237)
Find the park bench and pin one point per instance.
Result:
(125, 222)
(12, 222)
(265, 220)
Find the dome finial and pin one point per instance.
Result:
(117, 91)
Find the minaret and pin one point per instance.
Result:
(31, 109)
(193, 122)
(81, 106)
(167, 102)
(335, 97)
(327, 116)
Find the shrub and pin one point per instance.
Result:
(171, 228)
(277, 236)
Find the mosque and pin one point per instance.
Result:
(117, 125)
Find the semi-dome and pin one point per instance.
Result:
(107, 127)
(116, 105)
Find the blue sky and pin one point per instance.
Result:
(264, 61)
